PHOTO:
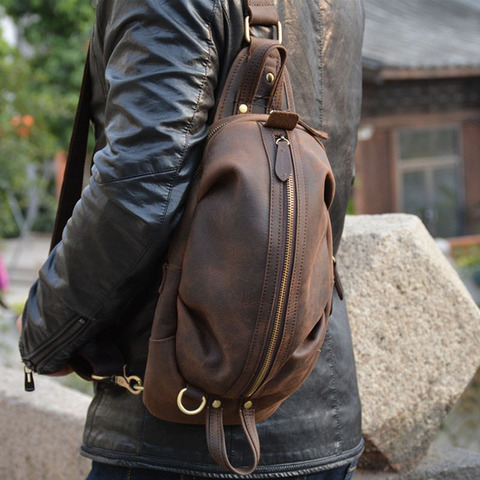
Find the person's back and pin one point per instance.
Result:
(156, 69)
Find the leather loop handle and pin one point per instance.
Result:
(216, 438)
(254, 74)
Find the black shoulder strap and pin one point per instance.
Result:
(77, 151)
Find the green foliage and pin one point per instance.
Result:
(38, 95)
(467, 256)
(350, 207)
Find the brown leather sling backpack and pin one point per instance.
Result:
(247, 285)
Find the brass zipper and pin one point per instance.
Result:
(282, 295)
(211, 133)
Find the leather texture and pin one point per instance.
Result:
(156, 68)
(249, 277)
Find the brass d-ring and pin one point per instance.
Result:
(183, 409)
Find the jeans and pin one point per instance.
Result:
(101, 471)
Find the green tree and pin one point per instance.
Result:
(40, 78)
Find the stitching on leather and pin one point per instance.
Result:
(255, 449)
(296, 272)
(207, 64)
(247, 88)
(158, 231)
(229, 86)
(96, 61)
(98, 398)
(130, 177)
(305, 214)
(320, 65)
(261, 4)
(218, 108)
(268, 272)
(272, 99)
(329, 357)
(271, 224)
(142, 435)
(280, 225)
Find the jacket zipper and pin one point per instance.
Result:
(282, 298)
(67, 334)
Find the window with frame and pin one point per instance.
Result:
(430, 178)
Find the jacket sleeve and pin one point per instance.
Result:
(157, 63)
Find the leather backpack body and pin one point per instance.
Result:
(248, 282)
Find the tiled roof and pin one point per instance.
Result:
(421, 34)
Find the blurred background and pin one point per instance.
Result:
(418, 143)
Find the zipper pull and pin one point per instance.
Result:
(29, 383)
(283, 163)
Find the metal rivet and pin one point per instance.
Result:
(243, 108)
(248, 405)
(216, 404)
(270, 77)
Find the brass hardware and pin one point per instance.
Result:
(183, 409)
(248, 38)
(248, 405)
(282, 139)
(132, 383)
(243, 108)
(270, 77)
(216, 404)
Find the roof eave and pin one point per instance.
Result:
(380, 75)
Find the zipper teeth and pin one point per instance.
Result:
(281, 304)
(40, 356)
(215, 130)
(250, 117)
(207, 139)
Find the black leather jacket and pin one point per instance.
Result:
(156, 67)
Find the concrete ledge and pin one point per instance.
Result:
(40, 432)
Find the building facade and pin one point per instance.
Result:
(419, 140)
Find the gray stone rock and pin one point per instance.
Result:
(40, 432)
(438, 464)
(416, 333)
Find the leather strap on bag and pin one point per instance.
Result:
(216, 437)
(254, 76)
(262, 12)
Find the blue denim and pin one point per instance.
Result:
(101, 471)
